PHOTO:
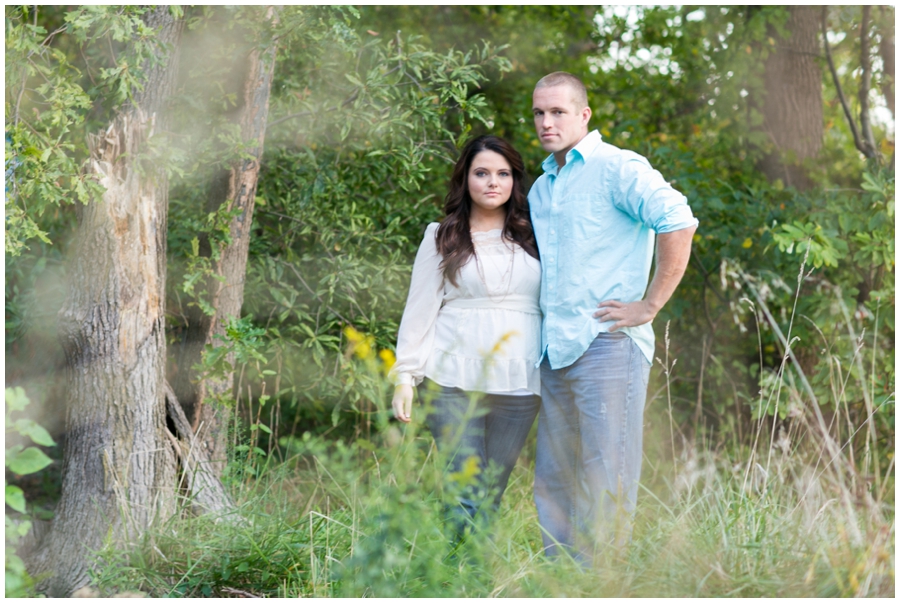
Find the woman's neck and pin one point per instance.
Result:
(483, 221)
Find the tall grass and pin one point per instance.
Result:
(789, 511)
(344, 520)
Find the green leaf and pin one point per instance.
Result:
(16, 398)
(30, 460)
(15, 498)
(38, 434)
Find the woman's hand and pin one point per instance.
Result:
(402, 402)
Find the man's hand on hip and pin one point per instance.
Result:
(630, 314)
(673, 250)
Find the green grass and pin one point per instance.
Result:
(797, 515)
(365, 520)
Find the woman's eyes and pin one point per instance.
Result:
(481, 174)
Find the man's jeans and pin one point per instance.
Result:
(589, 447)
(490, 427)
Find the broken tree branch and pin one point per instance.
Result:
(208, 495)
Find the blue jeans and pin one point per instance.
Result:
(590, 436)
(490, 427)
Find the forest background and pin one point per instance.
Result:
(211, 215)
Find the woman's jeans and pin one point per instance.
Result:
(480, 436)
(589, 447)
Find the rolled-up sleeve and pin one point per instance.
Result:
(644, 194)
(416, 335)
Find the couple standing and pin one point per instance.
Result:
(505, 320)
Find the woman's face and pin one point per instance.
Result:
(490, 181)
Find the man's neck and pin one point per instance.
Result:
(560, 159)
(560, 156)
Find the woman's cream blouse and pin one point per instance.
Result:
(482, 335)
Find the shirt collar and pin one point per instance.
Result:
(584, 148)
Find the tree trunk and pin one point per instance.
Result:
(119, 467)
(234, 189)
(865, 65)
(887, 52)
(792, 108)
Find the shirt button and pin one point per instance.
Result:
(553, 232)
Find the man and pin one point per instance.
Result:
(596, 211)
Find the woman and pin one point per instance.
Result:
(470, 333)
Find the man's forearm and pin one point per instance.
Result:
(673, 251)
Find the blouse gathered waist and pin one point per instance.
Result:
(517, 303)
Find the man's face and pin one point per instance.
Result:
(560, 123)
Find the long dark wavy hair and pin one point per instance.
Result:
(454, 240)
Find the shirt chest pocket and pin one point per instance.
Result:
(588, 216)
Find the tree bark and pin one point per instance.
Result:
(119, 467)
(792, 107)
(235, 189)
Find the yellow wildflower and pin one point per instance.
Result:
(502, 341)
(360, 344)
(388, 359)
(363, 349)
(467, 472)
(352, 335)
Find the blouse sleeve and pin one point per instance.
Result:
(416, 335)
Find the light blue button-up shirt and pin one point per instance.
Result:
(595, 222)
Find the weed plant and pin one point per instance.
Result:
(790, 510)
(365, 519)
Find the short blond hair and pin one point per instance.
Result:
(562, 78)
